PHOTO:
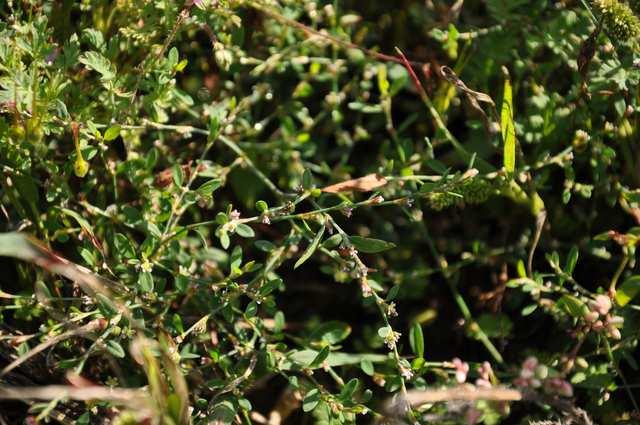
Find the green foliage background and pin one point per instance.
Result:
(183, 158)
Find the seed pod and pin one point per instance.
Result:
(81, 167)
(475, 190)
(441, 200)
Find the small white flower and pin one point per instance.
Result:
(406, 372)
(391, 339)
(146, 266)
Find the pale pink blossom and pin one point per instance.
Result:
(462, 368)
(602, 304)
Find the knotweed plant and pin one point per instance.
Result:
(319, 212)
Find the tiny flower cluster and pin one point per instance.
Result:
(618, 19)
(536, 375)
(599, 318)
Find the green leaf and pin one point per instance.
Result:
(384, 331)
(81, 221)
(367, 367)
(297, 358)
(244, 231)
(111, 133)
(180, 66)
(145, 282)
(369, 245)
(507, 124)
(330, 332)
(214, 127)
(311, 248)
(261, 206)
(221, 218)
(224, 240)
(522, 272)
(383, 82)
(174, 406)
(333, 241)
(572, 259)
(252, 309)
(571, 305)
(416, 340)
(115, 349)
(123, 246)
(393, 293)
(279, 322)
(100, 64)
(495, 325)
(207, 188)
(311, 400)
(307, 179)
(349, 389)
(178, 175)
(265, 246)
(94, 37)
(245, 404)
(529, 309)
(176, 321)
(628, 290)
(321, 357)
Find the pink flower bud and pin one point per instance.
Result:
(614, 332)
(559, 386)
(530, 363)
(462, 368)
(602, 304)
(591, 316)
(485, 370)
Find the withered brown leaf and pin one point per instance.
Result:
(361, 184)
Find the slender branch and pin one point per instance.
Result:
(335, 40)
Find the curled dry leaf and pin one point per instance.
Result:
(474, 97)
(361, 184)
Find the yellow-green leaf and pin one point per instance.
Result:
(508, 128)
(112, 132)
(628, 290)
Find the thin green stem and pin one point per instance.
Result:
(618, 273)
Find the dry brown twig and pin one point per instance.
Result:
(134, 398)
(90, 327)
(571, 414)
